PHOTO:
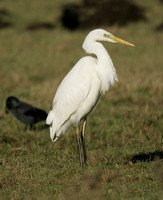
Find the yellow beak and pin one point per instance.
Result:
(116, 39)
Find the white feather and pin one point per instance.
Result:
(50, 117)
(79, 91)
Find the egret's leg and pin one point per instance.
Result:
(78, 143)
(83, 140)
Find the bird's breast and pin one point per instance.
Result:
(92, 98)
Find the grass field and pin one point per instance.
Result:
(124, 134)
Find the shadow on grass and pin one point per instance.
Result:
(105, 13)
(35, 127)
(4, 21)
(159, 27)
(42, 127)
(148, 157)
(40, 26)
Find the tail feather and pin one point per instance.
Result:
(49, 121)
(50, 117)
(52, 133)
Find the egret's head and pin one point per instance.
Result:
(102, 35)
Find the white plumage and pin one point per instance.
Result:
(80, 90)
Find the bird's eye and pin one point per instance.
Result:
(106, 35)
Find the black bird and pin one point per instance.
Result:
(25, 112)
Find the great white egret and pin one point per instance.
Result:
(80, 90)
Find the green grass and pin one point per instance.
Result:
(126, 122)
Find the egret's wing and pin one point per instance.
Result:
(71, 93)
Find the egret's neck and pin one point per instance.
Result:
(97, 49)
(105, 68)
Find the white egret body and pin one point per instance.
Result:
(80, 90)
